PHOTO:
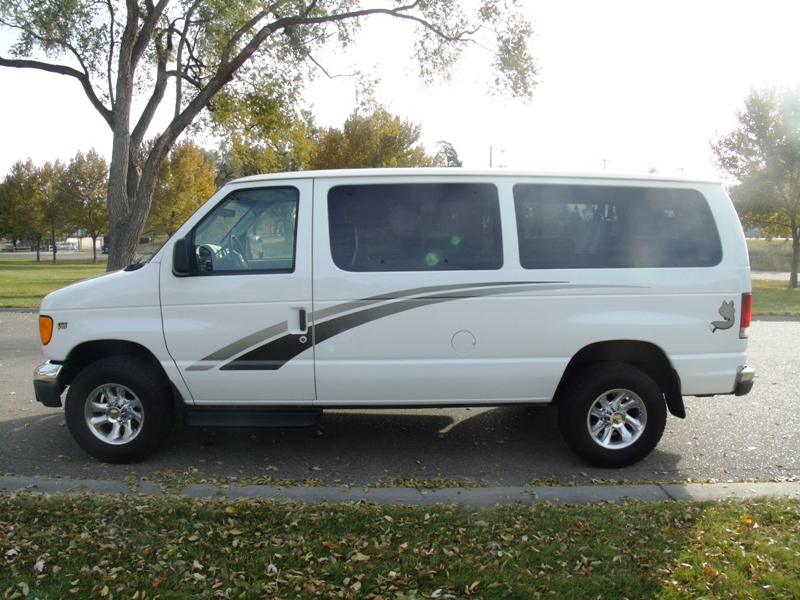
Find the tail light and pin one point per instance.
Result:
(747, 310)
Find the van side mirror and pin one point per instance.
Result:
(181, 263)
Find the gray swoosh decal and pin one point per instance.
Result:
(284, 346)
(404, 294)
(223, 354)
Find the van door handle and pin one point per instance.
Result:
(302, 319)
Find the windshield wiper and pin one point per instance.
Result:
(140, 262)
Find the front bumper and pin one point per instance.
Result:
(744, 381)
(46, 384)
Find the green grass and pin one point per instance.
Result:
(24, 282)
(85, 546)
(775, 298)
(773, 255)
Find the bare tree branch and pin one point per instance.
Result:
(137, 136)
(83, 78)
(321, 68)
(148, 27)
(179, 55)
(111, 44)
(226, 52)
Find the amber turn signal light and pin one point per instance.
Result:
(45, 329)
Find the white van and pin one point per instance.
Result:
(290, 293)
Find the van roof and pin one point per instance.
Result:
(461, 172)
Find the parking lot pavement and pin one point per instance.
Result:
(723, 439)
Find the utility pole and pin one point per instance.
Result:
(490, 157)
(604, 161)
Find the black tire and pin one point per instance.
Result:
(119, 410)
(612, 415)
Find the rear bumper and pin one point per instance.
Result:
(47, 385)
(744, 381)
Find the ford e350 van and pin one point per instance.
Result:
(286, 294)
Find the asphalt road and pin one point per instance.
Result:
(723, 438)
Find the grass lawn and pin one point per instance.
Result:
(24, 282)
(84, 546)
(775, 298)
(773, 255)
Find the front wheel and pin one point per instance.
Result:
(612, 415)
(118, 410)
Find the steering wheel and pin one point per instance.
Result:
(239, 252)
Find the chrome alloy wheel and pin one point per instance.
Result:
(617, 419)
(114, 414)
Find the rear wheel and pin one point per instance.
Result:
(118, 410)
(612, 415)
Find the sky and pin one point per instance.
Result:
(624, 86)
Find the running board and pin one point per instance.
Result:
(250, 416)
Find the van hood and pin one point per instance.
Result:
(119, 289)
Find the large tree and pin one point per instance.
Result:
(379, 139)
(762, 154)
(225, 51)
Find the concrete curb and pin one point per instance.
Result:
(587, 494)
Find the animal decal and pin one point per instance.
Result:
(727, 312)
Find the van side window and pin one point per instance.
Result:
(605, 227)
(415, 227)
(251, 230)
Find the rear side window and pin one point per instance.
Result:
(598, 227)
(415, 227)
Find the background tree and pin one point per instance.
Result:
(376, 140)
(448, 154)
(85, 183)
(117, 50)
(762, 154)
(254, 144)
(55, 202)
(20, 210)
(185, 181)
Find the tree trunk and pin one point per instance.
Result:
(94, 249)
(795, 256)
(124, 241)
